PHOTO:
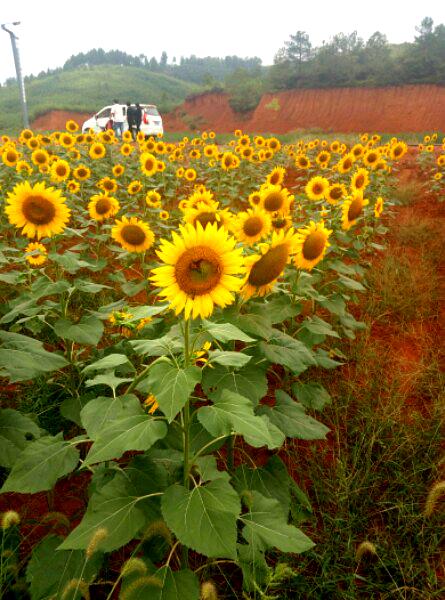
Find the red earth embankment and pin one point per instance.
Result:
(56, 119)
(391, 109)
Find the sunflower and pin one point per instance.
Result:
(25, 135)
(190, 174)
(102, 206)
(40, 211)
(203, 213)
(274, 199)
(96, 151)
(149, 164)
(82, 173)
(33, 143)
(254, 198)
(336, 192)
(10, 156)
(323, 158)
(371, 157)
(398, 150)
(134, 187)
(180, 172)
(264, 269)
(312, 245)
(441, 160)
(229, 161)
(164, 215)
(107, 137)
(201, 196)
(302, 161)
(36, 254)
(71, 126)
(345, 164)
(153, 199)
(335, 146)
(251, 226)
(276, 176)
(73, 186)
(74, 154)
(126, 136)
(317, 187)
(357, 151)
(378, 207)
(118, 170)
(22, 166)
(200, 270)
(281, 223)
(352, 209)
(60, 170)
(151, 404)
(67, 140)
(360, 179)
(107, 185)
(273, 144)
(133, 234)
(160, 166)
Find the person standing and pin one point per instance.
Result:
(131, 118)
(138, 117)
(117, 114)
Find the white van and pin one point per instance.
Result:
(151, 123)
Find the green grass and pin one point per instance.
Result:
(88, 90)
(371, 482)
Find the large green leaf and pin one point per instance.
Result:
(108, 362)
(319, 326)
(232, 413)
(49, 570)
(16, 431)
(136, 432)
(285, 350)
(312, 394)
(228, 358)
(250, 382)
(277, 309)
(204, 519)
(170, 585)
(225, 332)
(23, 357)
(168, 344)
(256, 325)
(265, 526)
(100, 412)
(290, 417)
(87, 331)
(172, 386)
(272, 481)
(41, 464)
(253, 565)
(113, 507)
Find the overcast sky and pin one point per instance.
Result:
(51, 31)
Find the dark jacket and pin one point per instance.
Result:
(131, 115)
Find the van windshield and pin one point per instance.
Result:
(152, 110)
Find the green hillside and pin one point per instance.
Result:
(87, 90)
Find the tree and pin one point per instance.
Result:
(298, 48)
(163, 61)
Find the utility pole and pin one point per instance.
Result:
(18, 70)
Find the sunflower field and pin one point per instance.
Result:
(167, 312)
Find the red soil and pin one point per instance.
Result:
(392, 110)
(56, 119)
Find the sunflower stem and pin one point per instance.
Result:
(186, 427)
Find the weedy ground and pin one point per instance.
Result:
(370, 482)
